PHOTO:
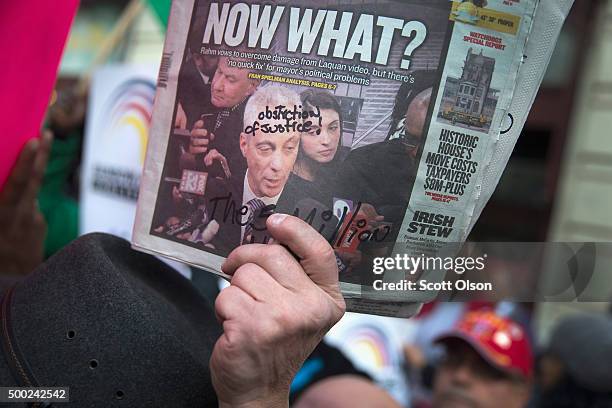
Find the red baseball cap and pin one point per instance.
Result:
(500, 341)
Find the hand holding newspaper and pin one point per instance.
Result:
(379, 124)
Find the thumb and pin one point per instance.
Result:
(314, 253)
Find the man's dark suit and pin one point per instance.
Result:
(193, 93)
(223, 203)
(226, 129)
(227, 141)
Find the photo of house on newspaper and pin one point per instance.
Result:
(470, 101)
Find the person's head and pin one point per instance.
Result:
(321, 143)
(410, 110)
(206, 64)
(231, 85)
(416, 114)
(488, 363)
(345, 391)
(270, 156)
(576, 363)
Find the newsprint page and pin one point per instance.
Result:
(373, 121)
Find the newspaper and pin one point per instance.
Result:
(376, 122)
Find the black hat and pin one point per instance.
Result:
(120, 328)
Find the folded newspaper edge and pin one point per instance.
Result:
(521, 56)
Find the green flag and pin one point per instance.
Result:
(162, 10)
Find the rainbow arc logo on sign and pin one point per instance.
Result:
(130, 106)
(372, 346)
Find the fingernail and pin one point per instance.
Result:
(277, 219)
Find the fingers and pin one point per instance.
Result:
(38, 168)
(232, 302)
(274, 259)
(176, 194)
(225, 166)
(20, 175)
(215, 155)
(208, 160)
(256, 282)
(197, 150)
(210, 157)
(200, 125)
(181, 118)
(369, 212)
(198, 136)
(199, 139)
(315, 254)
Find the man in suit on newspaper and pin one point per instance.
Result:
(240, 205)
(220, 123)
(216, 110)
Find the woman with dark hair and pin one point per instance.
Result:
(319, 146)
(318, 156)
